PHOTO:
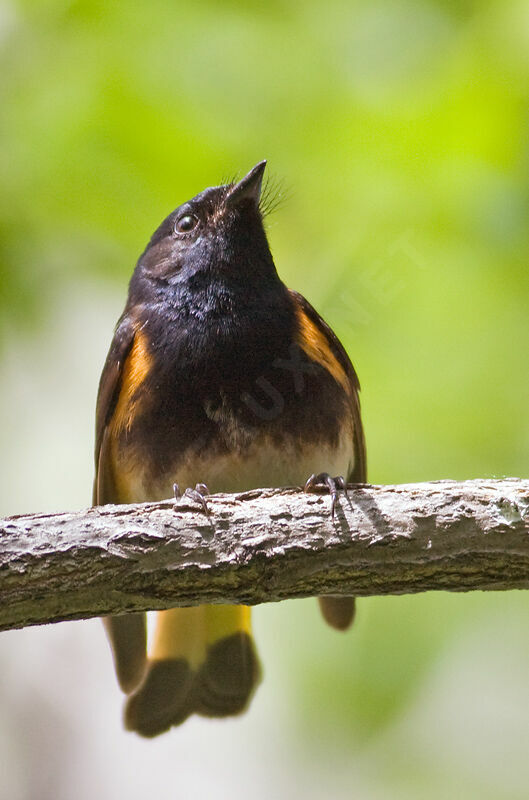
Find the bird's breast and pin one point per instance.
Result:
(235, 413)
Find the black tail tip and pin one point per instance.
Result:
(228, 678)
(162, 700)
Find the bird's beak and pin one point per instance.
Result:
(249, 188)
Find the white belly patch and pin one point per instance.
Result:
(264, 464)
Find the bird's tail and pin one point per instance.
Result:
(203, 660)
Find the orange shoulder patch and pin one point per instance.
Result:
(135, 370)
(316, 345)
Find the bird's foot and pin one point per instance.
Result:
(197, 495)
(316, 482)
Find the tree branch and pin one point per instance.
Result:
(262, 546)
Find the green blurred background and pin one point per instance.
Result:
(398, 132)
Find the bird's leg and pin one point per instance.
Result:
(198, 495)
(333, 484)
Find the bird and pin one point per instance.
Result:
(219, 378)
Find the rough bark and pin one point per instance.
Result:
(262, 546)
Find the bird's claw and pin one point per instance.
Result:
(197, 495)
(332, 484)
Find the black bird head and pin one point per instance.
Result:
(217, 236)
(206, 292)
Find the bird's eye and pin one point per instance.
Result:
(186, 223)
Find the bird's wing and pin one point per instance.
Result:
(107, 398)
(325, 346)
(358, 473)
(127, 633)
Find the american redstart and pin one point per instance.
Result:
(218, 376)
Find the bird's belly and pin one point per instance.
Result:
(265, 463)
